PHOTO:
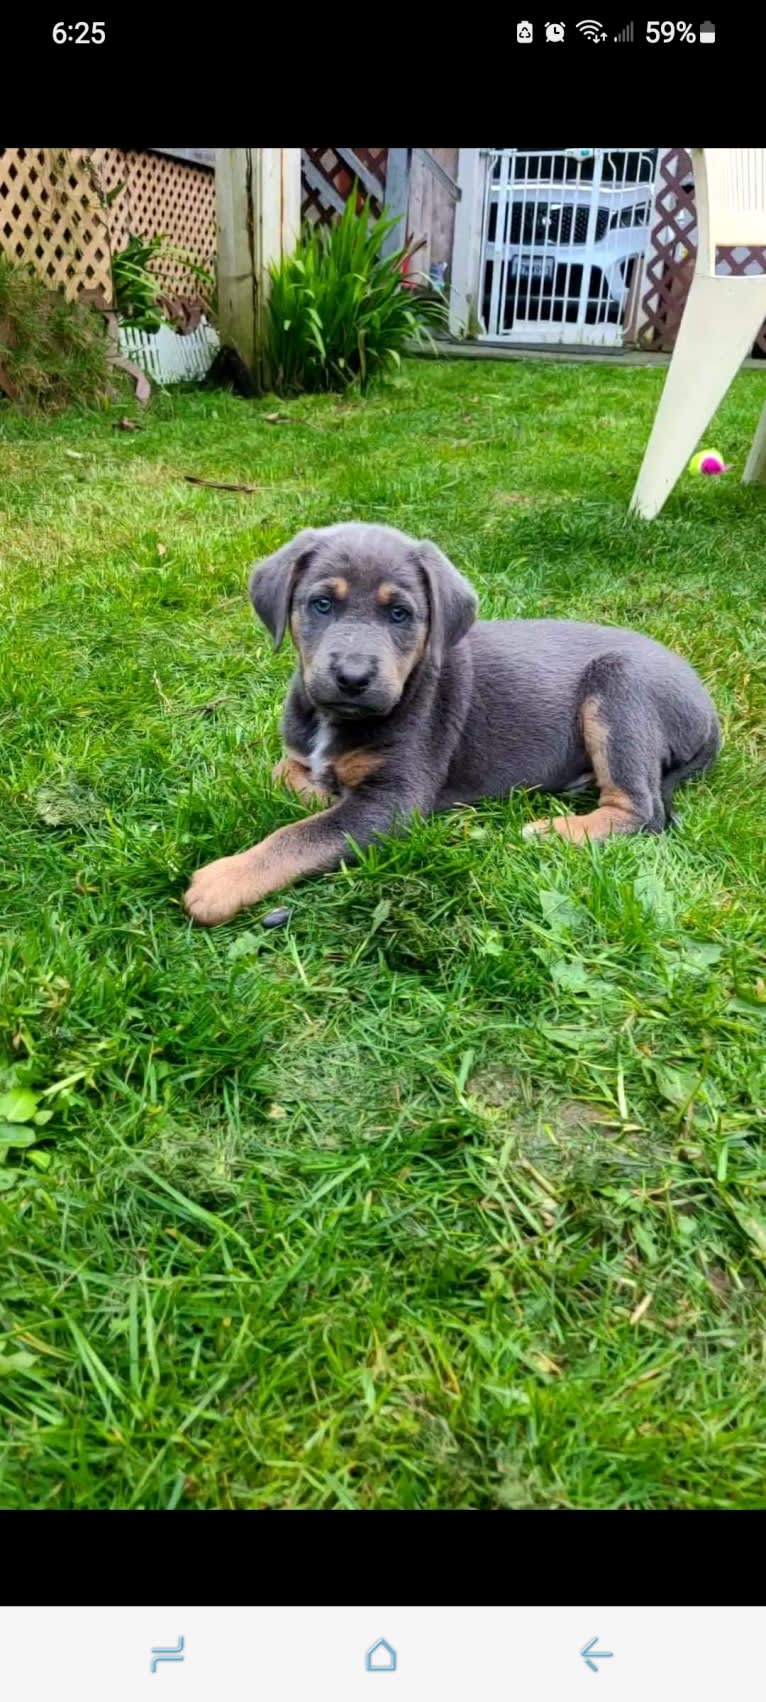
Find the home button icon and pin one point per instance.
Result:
(381, 1657)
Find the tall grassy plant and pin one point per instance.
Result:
(340, 313)
(53, 352)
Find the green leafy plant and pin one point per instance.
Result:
(21, 1118)
(340, 312)
(53, 352)
(140, 295)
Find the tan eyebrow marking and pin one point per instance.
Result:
(339, 588)
(386, 593)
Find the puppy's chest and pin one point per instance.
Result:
(320, 756)
(338, 762)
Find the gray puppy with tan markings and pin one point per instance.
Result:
(402, 701)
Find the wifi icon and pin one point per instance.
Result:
(592, 30)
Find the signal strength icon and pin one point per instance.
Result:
(625, 35)
(592, 30)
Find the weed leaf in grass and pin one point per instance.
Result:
(18, 1110)
(560, 914)
(12, 1363)
(245, 945)
(701, 954)
(675, 1083)
(18, 1105)
(15, 1134)
(574, 975)
(654, 897)
(575, 1039)
(753, 1226)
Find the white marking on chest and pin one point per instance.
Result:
(320, 750)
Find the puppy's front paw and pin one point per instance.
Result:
(536, 829)
(219, 891)
(565, 826)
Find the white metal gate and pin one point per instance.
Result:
(564, 236)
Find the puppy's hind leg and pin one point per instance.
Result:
(623, 741)
(702, 759)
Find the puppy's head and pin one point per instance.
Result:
(365, 605)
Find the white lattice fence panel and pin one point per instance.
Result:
(52, 218)
(64, 211)
(171, 198)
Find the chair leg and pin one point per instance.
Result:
(720, 322)
(755, 470)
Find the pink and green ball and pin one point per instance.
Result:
(707, 462)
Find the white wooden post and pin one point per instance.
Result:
(258, 212)
(465, 291)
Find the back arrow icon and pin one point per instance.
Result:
(591, 1654)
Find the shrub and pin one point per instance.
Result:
(140, 295)
(339, 311)
(52, 352)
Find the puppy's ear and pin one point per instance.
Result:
(273, 580)
(453, 601)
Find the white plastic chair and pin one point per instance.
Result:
(721, 320)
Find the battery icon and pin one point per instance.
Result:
(707, 32)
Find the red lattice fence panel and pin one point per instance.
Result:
(327, 181)
(672, 254)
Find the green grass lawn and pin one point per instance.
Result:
(451, 1194)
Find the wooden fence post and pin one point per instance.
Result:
(397, 198)
(465, 292)
(258, 210)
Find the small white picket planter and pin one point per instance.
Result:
(167, 357)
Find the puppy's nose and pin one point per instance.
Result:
(353, 677)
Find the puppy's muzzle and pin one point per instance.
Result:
(353, 677)
(351, 685)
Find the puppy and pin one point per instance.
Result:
(402, 701)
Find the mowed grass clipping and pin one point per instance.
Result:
(451, 1193)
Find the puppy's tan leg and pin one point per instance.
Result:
(318, 843)
(618, 811)
(600, 824)
(292, 771)
(229, 885)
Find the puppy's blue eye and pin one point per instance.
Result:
(398, 614)
(321, 605)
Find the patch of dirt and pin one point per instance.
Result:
(514, 499)
(720, 1281)
(497, 1087)
(328, 1073)
(561, 1138)
(579, 1114)
(500, 1087)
